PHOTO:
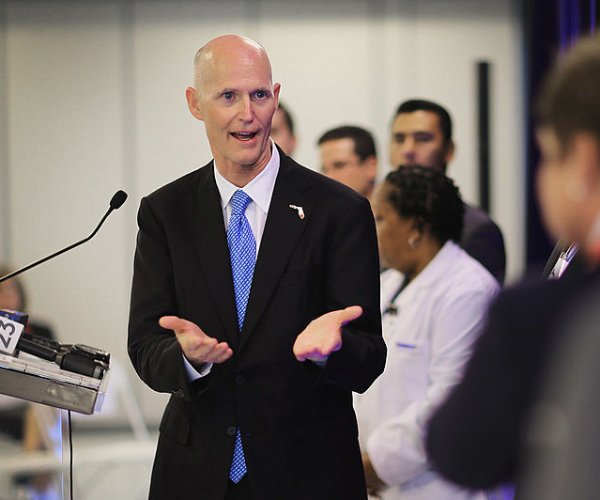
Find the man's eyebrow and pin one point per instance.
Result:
(414, 132)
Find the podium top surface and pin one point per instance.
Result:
(48, 370)
(45, 382)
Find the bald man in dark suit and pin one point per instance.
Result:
(261, 404)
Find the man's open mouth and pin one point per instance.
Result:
(244, 136)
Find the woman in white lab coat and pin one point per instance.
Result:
(434, 297)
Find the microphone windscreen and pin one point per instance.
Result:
(118, 199)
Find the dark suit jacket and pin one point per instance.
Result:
(483, 240)
(561, 460)
(475, 437)
(297, 423)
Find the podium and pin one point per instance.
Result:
(28, 378)
(45, 382)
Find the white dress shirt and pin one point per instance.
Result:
(429, 329)
(260, 190)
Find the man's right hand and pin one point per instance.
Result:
(197, 347)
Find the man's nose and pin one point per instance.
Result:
(246, 109)
(408, 149)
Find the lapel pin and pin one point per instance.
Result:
(298, 209)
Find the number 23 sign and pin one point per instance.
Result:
(10, 333)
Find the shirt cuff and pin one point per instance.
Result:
(193, 373)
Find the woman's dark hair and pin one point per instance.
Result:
(428, 196)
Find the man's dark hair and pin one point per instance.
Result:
(429, 197)
(364, 144)
(569, 100)
(287, 117)
(422, 105)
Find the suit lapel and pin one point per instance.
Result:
(282, 231)
(210, 241)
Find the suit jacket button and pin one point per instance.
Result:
(240, 380)
(232, 431)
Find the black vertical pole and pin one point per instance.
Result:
(483, 132)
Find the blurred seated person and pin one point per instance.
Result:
(282, 130)
(34, 426)
(434, 298)
(13, 296)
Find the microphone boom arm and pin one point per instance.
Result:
(117, 200)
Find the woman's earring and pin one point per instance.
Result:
(414, 242)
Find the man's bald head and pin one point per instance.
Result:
(223, 48)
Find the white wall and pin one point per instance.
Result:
(92, 100)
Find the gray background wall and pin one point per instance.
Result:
(92, 100)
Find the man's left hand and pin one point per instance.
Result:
(323, 335)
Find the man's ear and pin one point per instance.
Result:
(276, 90)
(370, 163)
(191, 95)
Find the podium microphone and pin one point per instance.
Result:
(115, 202)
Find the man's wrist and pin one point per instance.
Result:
(196, 370)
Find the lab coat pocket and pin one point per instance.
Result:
(407, 370)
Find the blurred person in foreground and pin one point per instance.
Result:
(476, 437)
(421, 134)
(255, 304)
(434, 297)
(348, 155)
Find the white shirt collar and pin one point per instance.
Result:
(260, 189)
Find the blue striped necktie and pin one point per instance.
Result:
(242, 252)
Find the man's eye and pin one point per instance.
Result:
(228, 96)
(261, 94)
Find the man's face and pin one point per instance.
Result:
(340, 162)
(236, 99)
(417, 140)
(281, 133)
(557, 186)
